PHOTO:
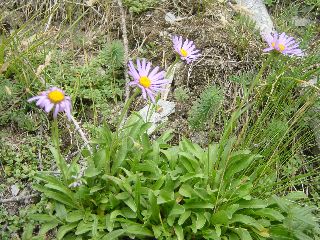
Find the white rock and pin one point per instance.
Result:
(158, 115)
(170, 17)
(257, 11)
(14, 190)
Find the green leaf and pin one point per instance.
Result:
(201, 220)
(100, 159)
(150, 167)
(198, 204)
(184, 217)
(96, 189)
(27, 232)
(154, 208)
(91, 171)
(301, 236)
(123, 196)
(270, 214)
(179, 232)
(165, 196)
(247, 220)
(211, 234)
(186, 190)
(253, 203)
(113, 234)
(131, 204)
(190, 176)
(43, 218)
(189, 162)
(115, 214)
(94, 229)
(242, 233)
(46, 227)
(231, 209)
(281, 233)
(137, 194)
(83, 227)
(59, 159)
(75, 216)
(209, 159)
(119, 157)
(157, 230)
(297, 195)
(61, 211)
(137, 229)
(55, 184)
(177, 209)
(220, 217)
(238, 163)
(60, 197)
(63, 230)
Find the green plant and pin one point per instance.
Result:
(244, 35)
(181, 94)
(270, 3)
(93, 82)
(206, 107)
(138, 6)
(137, 188)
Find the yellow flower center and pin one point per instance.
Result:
(145, 81)
(55, 96)
(183, 52)
(281, 47)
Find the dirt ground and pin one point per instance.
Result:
(213, 32)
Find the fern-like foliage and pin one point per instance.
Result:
(138, 6)
(112, 54)
(206, 107)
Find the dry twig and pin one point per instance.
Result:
(83, 136)
(126, 48)
(19, 198)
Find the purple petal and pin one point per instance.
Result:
(48, 107)
(139, 67)
(34, 98)
(56, 110)
(151, 95)
(153, 72)
(133, 72)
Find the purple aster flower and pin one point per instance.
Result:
(54, 98)
(150, 82)
(187, 50)
(283, 44)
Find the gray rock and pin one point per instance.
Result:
(257, 11)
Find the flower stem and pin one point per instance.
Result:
(257, 78)
(126, 107)
(169, 72)
(241, 109)
(82, 134)
(57, 155)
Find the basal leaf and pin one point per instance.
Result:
(201, 220)
(270, 214)
(75, 216)
(183, 217)
(179, 232)
(113, 234)
(247, 220)
(63, 230)
(242, 233)
(137, 229)
(165, 196)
